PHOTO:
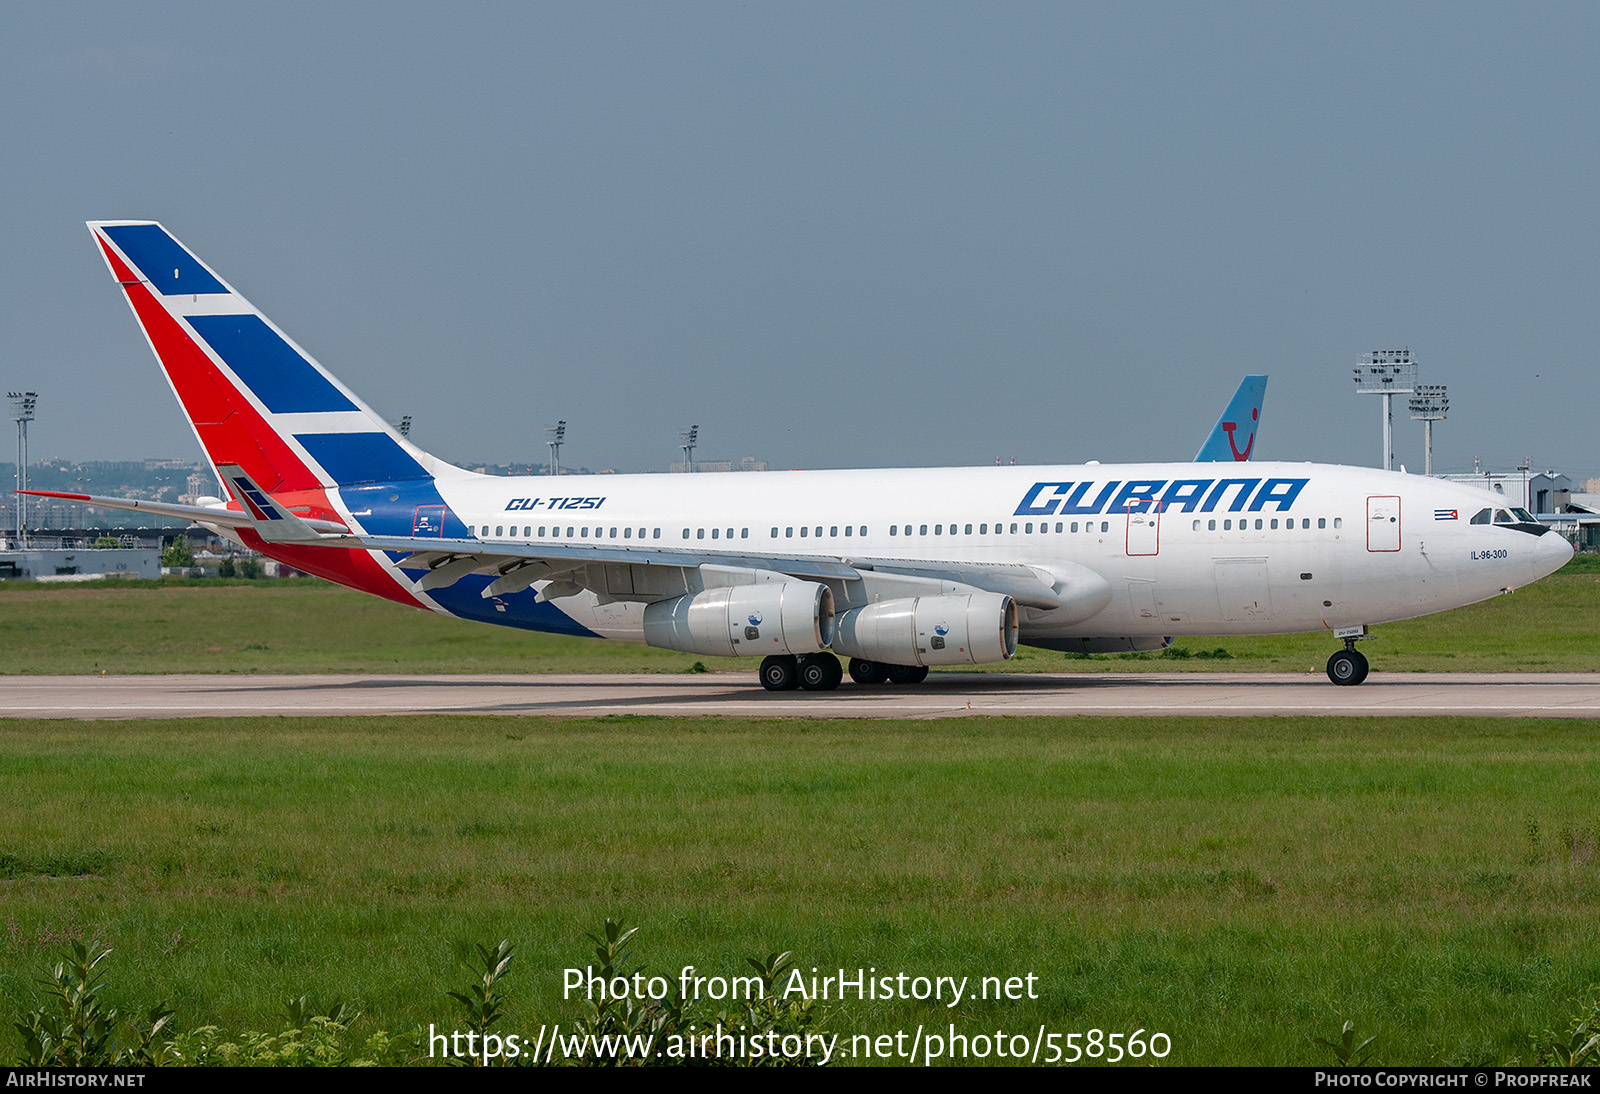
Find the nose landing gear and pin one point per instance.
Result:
(1348, 667)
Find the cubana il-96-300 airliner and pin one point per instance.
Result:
(896, 570)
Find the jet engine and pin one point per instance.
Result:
(744, 620)
(931, 630)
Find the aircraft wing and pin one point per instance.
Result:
(602, 568)
(613, 571)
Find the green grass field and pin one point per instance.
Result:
(306, 625)
(1240, 885)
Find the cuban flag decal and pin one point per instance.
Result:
(1446, 514)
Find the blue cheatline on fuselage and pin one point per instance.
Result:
(465, 599)
(393, 509)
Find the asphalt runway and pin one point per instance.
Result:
(943, 695)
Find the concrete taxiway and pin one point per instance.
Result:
(943, 695)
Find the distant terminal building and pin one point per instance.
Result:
(47, 561)
(749, 463)
(1549, 496)
(1539, 492)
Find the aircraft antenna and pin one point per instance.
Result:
(1387, 372)
(1428, 405)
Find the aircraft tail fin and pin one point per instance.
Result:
(256, 400)
(1233, 438)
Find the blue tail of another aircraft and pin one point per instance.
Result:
(1234, 436)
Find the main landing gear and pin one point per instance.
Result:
(822, 672)
(1348, 667)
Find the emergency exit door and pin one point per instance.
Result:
(1144, 530)
(1383, 524)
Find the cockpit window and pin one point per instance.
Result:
(1481, 516)
(1502, 517)
(1524, 516)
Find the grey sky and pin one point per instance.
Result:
(832, 235)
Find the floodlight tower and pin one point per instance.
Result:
(689, 436)
(22, 404)
(554, 435)
(1387, 372)
(1428, 405)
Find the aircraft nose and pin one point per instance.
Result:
(1551, 553)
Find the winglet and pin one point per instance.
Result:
(1233, 438)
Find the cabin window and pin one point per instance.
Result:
(1258, 524)
(627, 533)
(700, 533)
(847, 529)
(613, 533)
(788, 533)
(894, 529)
(938, 529)
(834, 532)
(713, 534)
(656, 534)
(819, 531)
(541, 531)
(803, 532)
(583, 533)
(1105, 526)
(1274, 522)
(1227, 526)
(1196, 526)
(969, 529)
(1026, 527)
(744, 533)
(1211, 526)
(924, 529)
(983, 529)
(1338, 522)
(1058, 526)
(686, 533)
(573, 531)
(1322, 522)
(774, 533)
(499, 530)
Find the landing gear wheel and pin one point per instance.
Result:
(820, 672)
(780, 673)
(1347, 668)
(907, 674)
(863, 671)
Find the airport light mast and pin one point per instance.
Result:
(1428, 405)
(554, 436)
(1387, 372)
(22, 404)
(689, 436)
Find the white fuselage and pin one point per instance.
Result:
(1246, 548)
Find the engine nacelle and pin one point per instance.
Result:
(744, 620)
(931, 630)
